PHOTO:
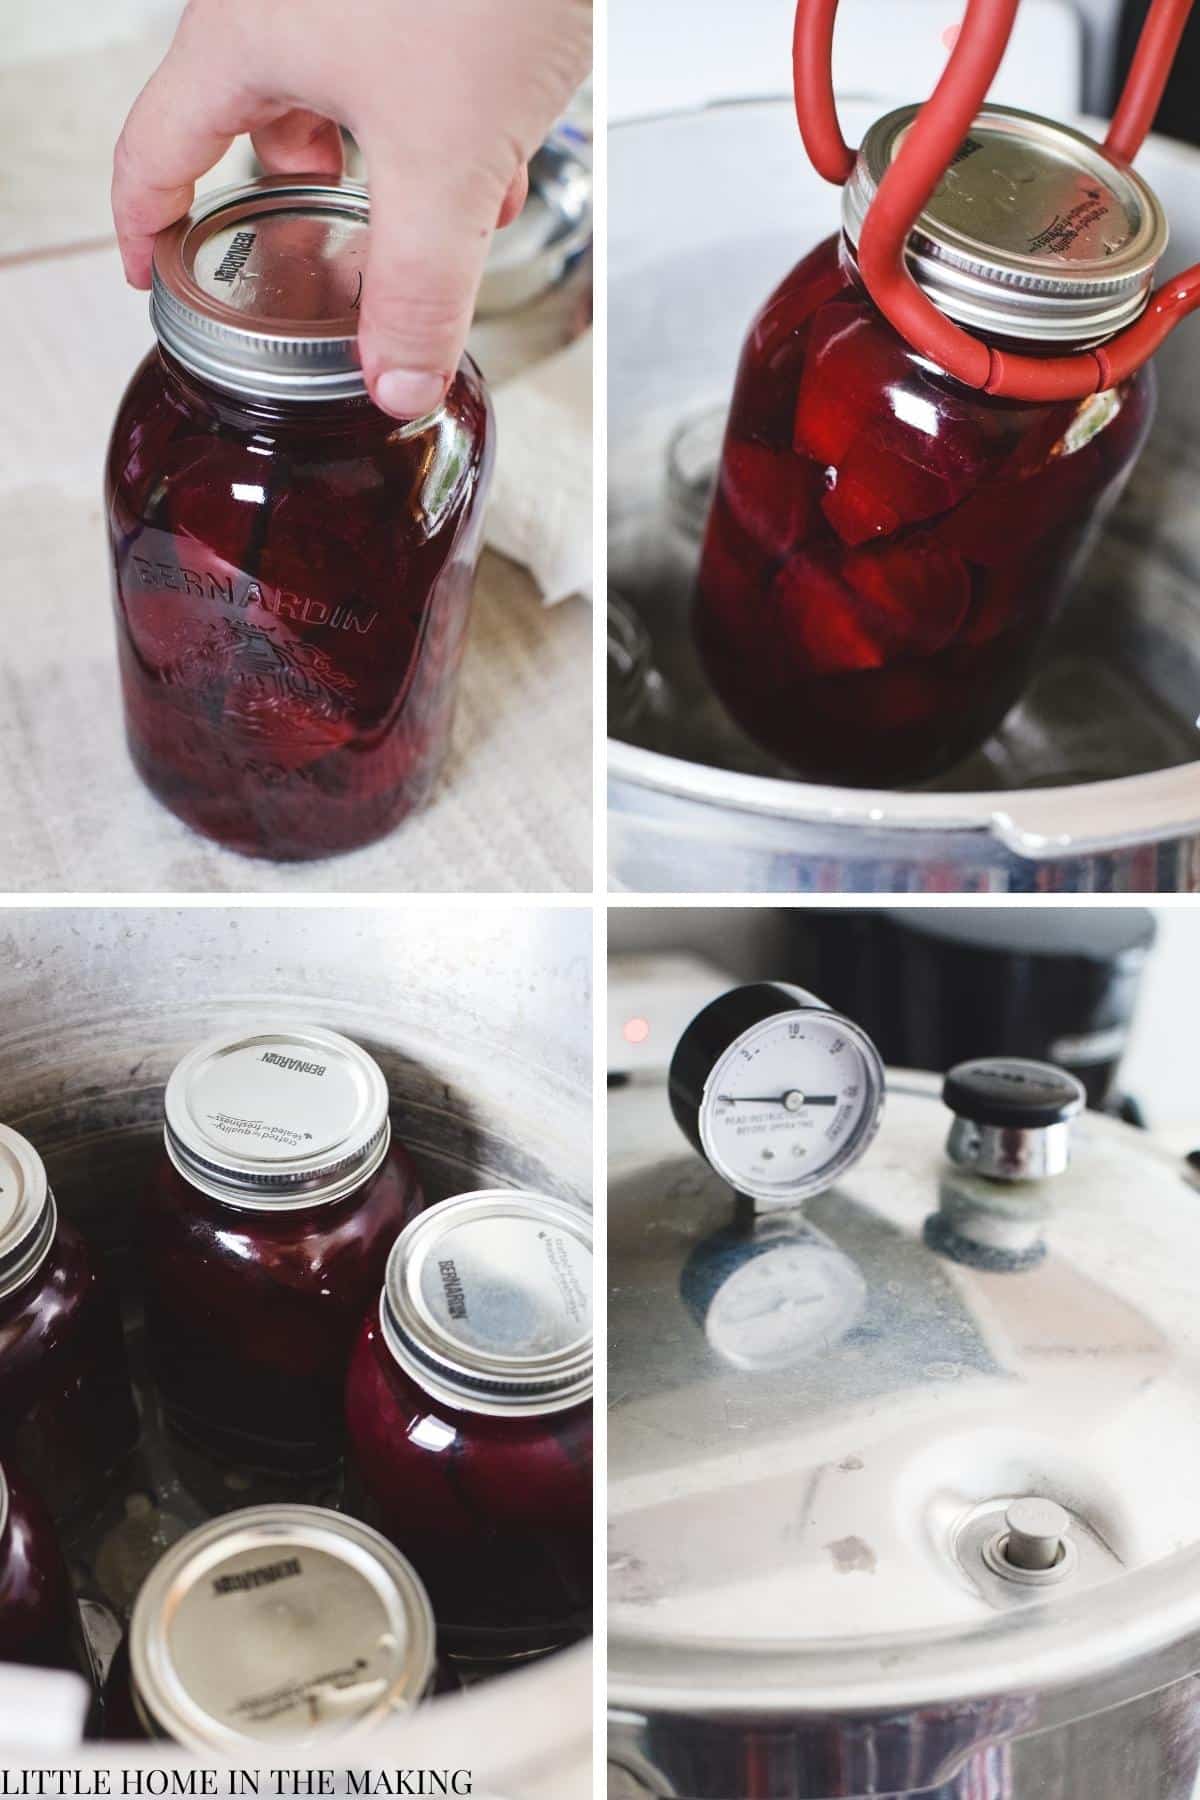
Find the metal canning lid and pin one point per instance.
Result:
(257, 289)
(279, 1622)
(1033, 232)
(278, 1117)
(28, 1216)
(4, 1503)
(487, 1302)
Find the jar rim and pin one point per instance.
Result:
(487, 1302)
(287, 1144)
(29, 1221)
(1034, 233)
(360, 1572)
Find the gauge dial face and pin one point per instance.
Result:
(791, 1104)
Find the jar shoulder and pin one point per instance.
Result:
(383, 1400)
(175, 1215)
(45, 1306)
(824, 376)
(171, 435)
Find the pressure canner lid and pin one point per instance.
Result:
(821, 1420)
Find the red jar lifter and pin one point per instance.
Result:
(909, 183)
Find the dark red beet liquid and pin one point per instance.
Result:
(39, 1621)
(67, 1413)
(292, 586)
(886, 548)
(495, 1514)
(251, 1316)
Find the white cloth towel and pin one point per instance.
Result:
(541, 507)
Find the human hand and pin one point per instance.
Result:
(448, 100)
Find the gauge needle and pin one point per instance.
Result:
(795, 1098)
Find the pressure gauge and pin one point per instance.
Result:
(780, 1094)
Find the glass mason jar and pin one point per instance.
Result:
(67, 1414)
(265, 1233)
(277, 1623)
(292, 568)
(469, 1418)
(886, 547)
(39, 1620)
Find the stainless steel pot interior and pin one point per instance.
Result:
(788, 1612)
(1092, 781)
(479, 1017)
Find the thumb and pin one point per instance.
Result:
(431, 227)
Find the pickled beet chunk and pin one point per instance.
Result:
(772, 494)
(817, 279)
(879, 488)
(869, 609)
(850, 365)
(765, 397)
(925, 588)
(1007, 517)
(899, 449)
(821, 621)
(734, 571)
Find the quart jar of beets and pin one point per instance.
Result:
(292, 567)
(39, 1620)
(277, 1622)
(67, 1414)
(469, 1418)
(887, 547)
(265, 1234)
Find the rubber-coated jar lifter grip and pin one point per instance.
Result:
(908, 184)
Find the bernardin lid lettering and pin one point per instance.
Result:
(28, 1216)
(277, 1117)
(258, 288)
(487, 1303)
(1033, 232)
(279, 1622)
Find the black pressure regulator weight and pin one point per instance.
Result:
(780, 1094)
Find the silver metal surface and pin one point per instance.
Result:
(539, 248)
(487, 1302)
(278, 1117)
(1036, 1533)
(257, 289)
(28, 1219)
(790, 1592)
(4, 1504)
(1003, 1153)
(480, 1019)
(279, 1623)
(1090, 785)
(1013, 1119)
(1033, 231)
